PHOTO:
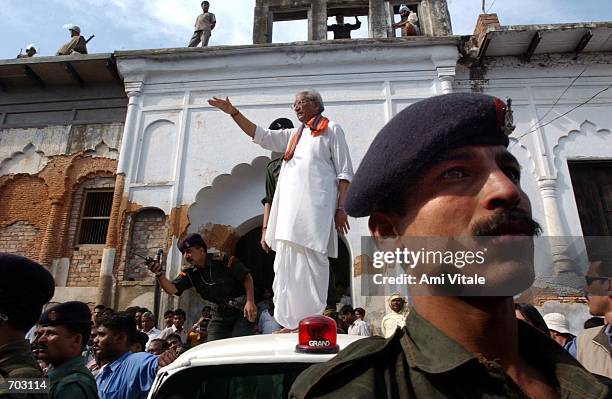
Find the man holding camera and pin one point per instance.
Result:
(226, 282)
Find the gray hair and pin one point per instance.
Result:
(313, 95)
(147, 314)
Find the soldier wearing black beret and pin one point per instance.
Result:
(440, 168)
(25, 286)
(65, 332)
(226, 282)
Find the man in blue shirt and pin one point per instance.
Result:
(124, 374)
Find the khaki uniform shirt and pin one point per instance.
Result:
(420, 361)
(593, 351)
(17, 361)
(205, 21)
(72, 380)
(76, 43)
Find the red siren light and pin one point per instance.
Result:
(317, 334)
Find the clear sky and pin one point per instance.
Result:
(140, 24)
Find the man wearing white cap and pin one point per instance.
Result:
(408, 23)
(30, 51)
(77, 43)
(559, 331)
(396, 318)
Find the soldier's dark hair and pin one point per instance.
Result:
(168, 313)
(121, 323)
(84, 329)
(346, 309)
(100, 307)
(361, 311)
(180, 312)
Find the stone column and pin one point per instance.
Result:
(317, 20)
(49, 245)
(446, 75)
(566, 267)
(377, 19)
(435, 18)
(262, 24)
(105, 283)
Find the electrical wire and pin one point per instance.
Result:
(565, 113)
(491, 6)
(535, 124)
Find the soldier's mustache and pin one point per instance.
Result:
(507, 221)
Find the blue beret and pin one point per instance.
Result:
(190, 240)
(409, 142)
(67, 313)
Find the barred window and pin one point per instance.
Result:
(95, 217)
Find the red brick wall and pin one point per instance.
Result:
(147, 231)
(19, 238)
(85, 259)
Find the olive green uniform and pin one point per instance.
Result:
(72, 380)
(419, 361)
(17, 361)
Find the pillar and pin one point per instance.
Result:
(377, 19)
(317, 20)
(105, 282)
(446, 76)
(50, 244)
(262, 24)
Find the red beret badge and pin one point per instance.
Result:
(505, 118)
(53, 315)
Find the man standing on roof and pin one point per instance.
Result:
(77, 43)
(308, 208)
(342, 30)
(204, 25)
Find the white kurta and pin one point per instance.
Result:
(301, 224)
(306, 194)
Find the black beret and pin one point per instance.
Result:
(67, 313)
(281, 123)
(407, 144)
(190, 240)
(20, 274)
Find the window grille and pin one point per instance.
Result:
(95, 217)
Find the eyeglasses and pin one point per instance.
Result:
(300, 103)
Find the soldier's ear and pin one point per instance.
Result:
(383, 230)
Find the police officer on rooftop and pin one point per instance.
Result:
(65, 332)
(440, 168)
(226, 282)
(20, 307)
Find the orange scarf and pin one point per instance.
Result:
(317, 125)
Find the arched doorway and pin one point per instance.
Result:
(261, 264)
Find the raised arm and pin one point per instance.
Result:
(242, 121)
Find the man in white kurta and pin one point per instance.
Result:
(301, 227)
